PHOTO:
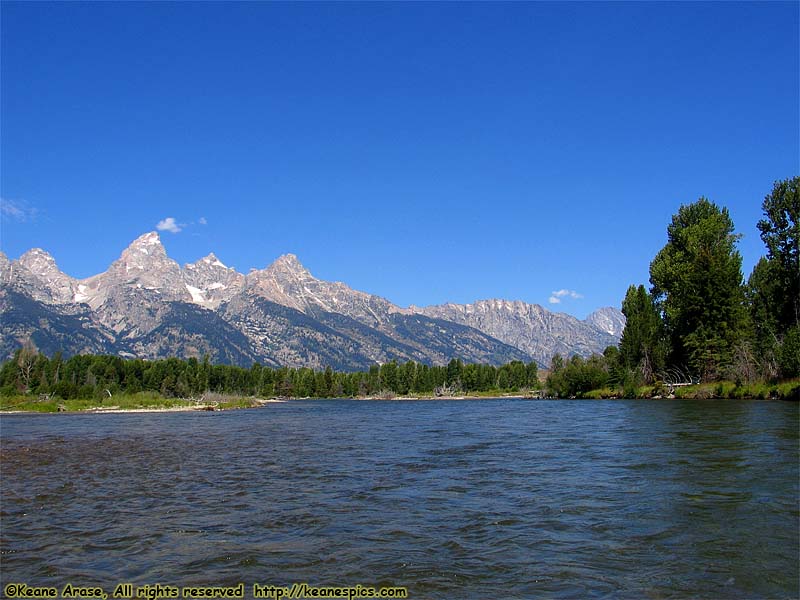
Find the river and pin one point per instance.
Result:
(450, 499)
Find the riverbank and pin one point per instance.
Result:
(721, 390)
(153, 403)
(129, 403)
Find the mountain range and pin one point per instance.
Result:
(146, 305)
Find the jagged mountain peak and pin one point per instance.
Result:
(34, 252)
(289, 264)
(287, 282)
(288, 258)
(151, 238)
(209, 262)
(608, 319)
(147, 258)
(212, 259)
(147, 244)
(145, 254)
(508, 305)
(532, 328)
(210, 282)
(483, 306)
(37, 274)
(38, 261)
(142, 272)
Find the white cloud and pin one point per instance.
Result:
(557, 295)
(19, 210)
(202, 221)
(170, 225)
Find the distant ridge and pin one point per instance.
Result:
(533, 329)
(146, 305)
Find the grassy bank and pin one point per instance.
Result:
(786, 390)
(140, 401)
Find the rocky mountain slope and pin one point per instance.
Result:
(146, 305)
(608, 319)
(289, 283)
(71, 329)
(531, 328)
(210, 282)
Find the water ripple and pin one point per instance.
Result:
(512, 499)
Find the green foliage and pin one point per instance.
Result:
(642, 348)
(780, 231)
(578, 376)
(789, 353)
(601, 394)
(615, 365)
(142, 400)
(102, 380)
(697, 284)
(788, 390)
(773, 289)
(454, 369)
(762, 292)
(703, 391)
(645, 391)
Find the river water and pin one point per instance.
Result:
(450, 499)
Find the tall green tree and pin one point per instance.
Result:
(642, 344)
(532, 374)
(774, 286)
(762, 292)
(780, 231)
(454, 368)
(697, 285)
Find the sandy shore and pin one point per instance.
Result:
(260, 402)
(109, 410)
(117, 409)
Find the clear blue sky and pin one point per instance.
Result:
(422, 152)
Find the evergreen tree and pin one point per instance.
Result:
(697, 284)
(408, 373)
(532, 374)
(780, 231)
(329, 386)
(470, 378)
(454, 368)
(762, 291)
(614, 365)
(774, 286)
(641, 346)
(389, 376)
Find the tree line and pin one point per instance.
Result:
(93, 376)
(700, 320)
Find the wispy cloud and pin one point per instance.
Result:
(170, 225)
(18, 210)
(556, 296)
(202, 221)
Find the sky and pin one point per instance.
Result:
(427, 153)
